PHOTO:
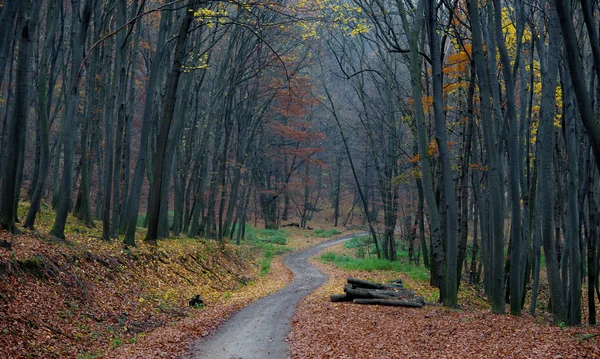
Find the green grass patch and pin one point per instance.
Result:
(363, 247)
(116, 342)
(271, 242)
(323, 233)
(141, 219)
(274, 236)
(265, 266)
(373, 264)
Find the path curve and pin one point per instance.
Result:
(259, 330)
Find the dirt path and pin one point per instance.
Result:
(259, 330)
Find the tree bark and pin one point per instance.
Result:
(493, 174)
(426, 171)
(172, 83)
(17, 127)
(575, 65)
(452, 264)
(572, 235)
(43, 111)
(132, 206)
(9, 9)
(546, 175)
(513, 150)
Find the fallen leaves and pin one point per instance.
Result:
(89, 299)
(174, 340)
(321, 329)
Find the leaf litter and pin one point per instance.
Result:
(321, 329)
(83, 298)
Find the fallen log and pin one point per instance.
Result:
(366, 292)
(337, 298)
(359, 283)
(377, 293)
(390, 303)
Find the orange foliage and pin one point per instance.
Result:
(432, 150)
(298, 131)
(294, 99)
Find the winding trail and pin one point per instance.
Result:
(259, 330)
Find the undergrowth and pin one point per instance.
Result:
(323, 233)
(271, 242)
(267, 236)
(345, 262)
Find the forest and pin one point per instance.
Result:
(464, 132)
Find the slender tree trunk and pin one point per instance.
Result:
(573, 235)
(83, 209)
(109, 146)
(172, 83)
(513, 149)
(493, 174)
(452, 264)
(356, 180)
(421, 217)
(426, 171)
(546, 175)
(17, 127)
(575, 65)
(9, 9)
(592, 258)
(133, 200)
(68, 126)
(43, 111)
(337, 191)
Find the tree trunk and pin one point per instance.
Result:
(83, 210)
(68, 126)
(356, 180)
(452, 264)
(546, 175)
(573, 235)
(513, 150)
(9, 9)
(426, 171)
(493, 174)
(17, 127)
(42, 120)
(172, 83)
(575, 65)
(132, 206)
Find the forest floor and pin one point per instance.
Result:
(83, 298)
(322, 329)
